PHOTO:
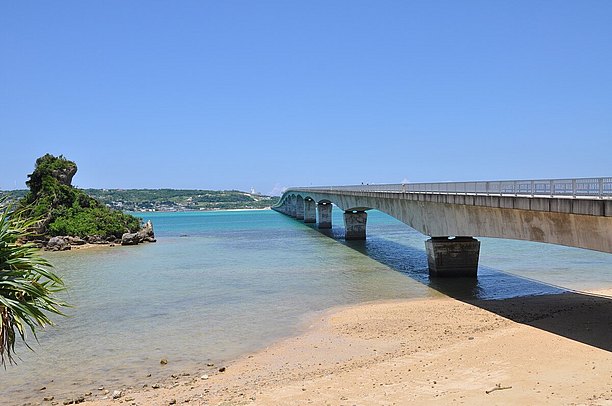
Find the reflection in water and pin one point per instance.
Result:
(411, 261)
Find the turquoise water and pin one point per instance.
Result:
(219, 284)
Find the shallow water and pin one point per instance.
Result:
(219, 284)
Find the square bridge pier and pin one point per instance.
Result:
(324, 210)
(355, 225)
(452, 256)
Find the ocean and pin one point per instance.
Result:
(218, 285)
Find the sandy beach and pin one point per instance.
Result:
(553, 350)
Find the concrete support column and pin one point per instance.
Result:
(325, 215)
(310, 211)
(355, 225)
(299, 208)
(292, 208)
(452, 257)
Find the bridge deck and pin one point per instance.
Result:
(587, 205)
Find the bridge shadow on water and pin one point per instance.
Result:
(582, 317)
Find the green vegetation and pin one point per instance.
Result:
(65, 210)
(179, 200)
(93, 221)
(27, 287)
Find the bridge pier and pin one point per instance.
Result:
(452, 256)
(284, 208)
(310, 211)
(299, 208)
(292, 208)
(324, 210)
(355, 225)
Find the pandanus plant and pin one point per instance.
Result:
(28, 288)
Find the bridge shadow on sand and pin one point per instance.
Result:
(582, 317)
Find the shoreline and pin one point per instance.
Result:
(197, 211)
(551, 349)
(106, 245)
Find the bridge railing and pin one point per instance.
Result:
(572, 188)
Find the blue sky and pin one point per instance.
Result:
(269, 94)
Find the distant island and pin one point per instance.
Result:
(180, 199)
(145, 200)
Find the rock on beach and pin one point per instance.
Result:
(144, 234)
(58, 244)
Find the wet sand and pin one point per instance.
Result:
(554, 349)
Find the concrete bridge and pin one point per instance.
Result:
(571, 212)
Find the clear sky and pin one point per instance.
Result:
(269, 94)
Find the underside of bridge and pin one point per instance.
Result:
(446, 256)
(453, 220)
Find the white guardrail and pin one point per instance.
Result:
(600, 188)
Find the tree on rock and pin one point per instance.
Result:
(66, 210)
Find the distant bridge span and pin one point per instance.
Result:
(571, 212)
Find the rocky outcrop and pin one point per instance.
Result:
(130, 239)
(58, 244)
(69, 211)
(64, 243)
(146, 233)
(75, 241)
(65, 175)
(96, 239)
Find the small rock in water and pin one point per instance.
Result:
(222, 369)
(204, 377)
(172, 402)
(117, 394)
(101, 388)
(48, 398)
(88, 394)
(155, 386)
(43, 388)
(163, 361)
(210, 364)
